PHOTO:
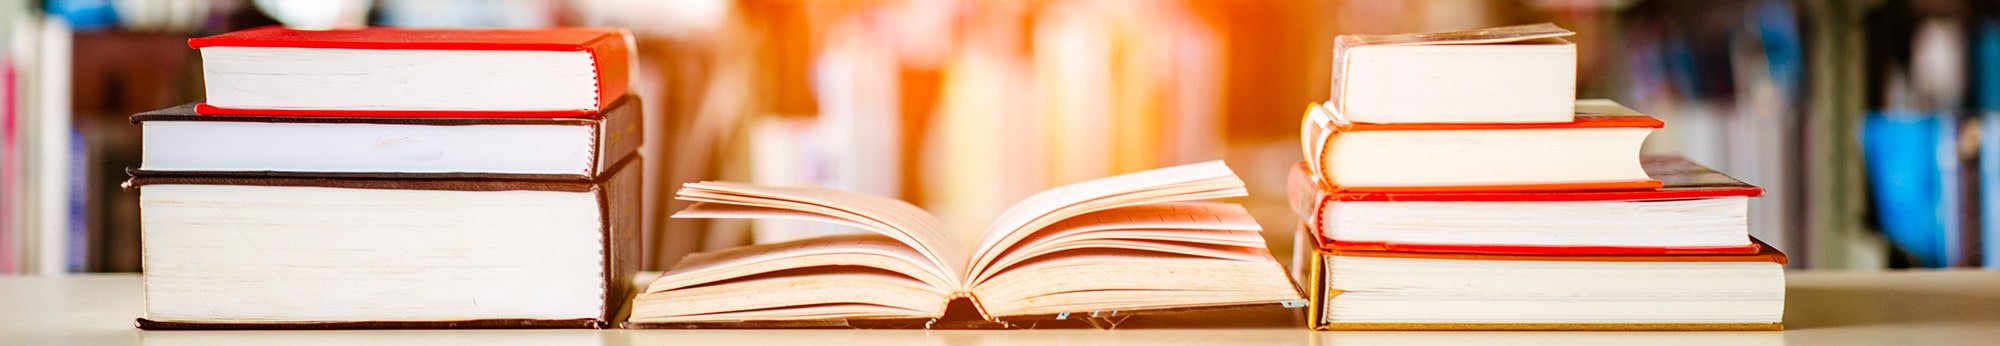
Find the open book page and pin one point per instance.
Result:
(1197, 181)
(890, 217)
(864, 250)
(1130, 279)
(1164, 227)
(793, 294)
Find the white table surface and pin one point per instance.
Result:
(1823, 308)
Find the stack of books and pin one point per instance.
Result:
(385, 178)
(1453, 182)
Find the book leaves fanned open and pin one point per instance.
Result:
(1134, 242)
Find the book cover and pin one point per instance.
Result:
(1421, 78)
(1319, 291)
(1322, 124)
(617, 195)
(618, 133)
(607, 47)
(1680, 178)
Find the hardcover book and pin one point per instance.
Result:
(1126, 245)
(303, 253)
(413, 72)
(1599, 150)
(1698, 211)
(1388, 290)
(179, 141)
(1515, 74)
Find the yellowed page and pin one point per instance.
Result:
(894, 218)
(869, 250)
(1164, 227)
(1198, 181)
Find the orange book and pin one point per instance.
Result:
(1698, 211)
(1599, 150)
(1384, 290)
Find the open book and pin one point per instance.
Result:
(1126, 243)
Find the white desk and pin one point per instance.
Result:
(1824, 308)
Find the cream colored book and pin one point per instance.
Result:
(1514, 74)
(1131, 243)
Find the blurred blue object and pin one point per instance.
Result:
(1900, 151)
(1986, 98)
(1777, 29)
(84, 15)
(1989, 187)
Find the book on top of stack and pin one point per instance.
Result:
(394, 178)
(1489, 214)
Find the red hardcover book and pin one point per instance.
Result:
(555, 72)
(1597, 151)
(1697, 211)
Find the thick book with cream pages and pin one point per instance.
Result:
(1388, 290)
(1698, 211)
(1125, 245)
(307, 253)
(180, 141)
(1598, 150)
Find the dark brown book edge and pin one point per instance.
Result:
(186, 112)
(618, 198)
(147, 324)
(622, 236)
(619, 133)
(1216, 316)
(359, 175)
(386, 184)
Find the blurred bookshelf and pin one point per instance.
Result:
(966, 106)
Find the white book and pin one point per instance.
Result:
(179, 141)
(1516, 74)
(255, 253)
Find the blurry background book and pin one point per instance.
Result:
(1843, 110)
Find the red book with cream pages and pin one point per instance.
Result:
(1546, 217)
(555, 72)
(1599, 150)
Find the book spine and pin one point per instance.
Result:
(147, 324)
(1316, 130)
(621, 198)
(611, 55)
(207, 109)
(620, 131)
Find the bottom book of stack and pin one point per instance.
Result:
(300, 253)
(1384, 290)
